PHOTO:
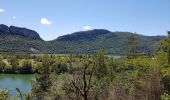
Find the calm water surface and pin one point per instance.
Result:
(13, 81)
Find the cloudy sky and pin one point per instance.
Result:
(53, 18)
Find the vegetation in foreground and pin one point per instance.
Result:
(97, 77)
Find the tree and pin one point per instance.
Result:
(166, 67)
(2, 64)
(100, 70)
(26, 66)
(81, 84)
(14, 62)
(133, 46)
(168, 48)
(43, 79)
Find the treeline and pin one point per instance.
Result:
(12, 64)
(29, 64)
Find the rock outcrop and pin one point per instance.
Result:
(24, 32)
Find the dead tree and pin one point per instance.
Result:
(80, 86)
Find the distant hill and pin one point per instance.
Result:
(17, 31)
(21, 40)
(16, 39)
(83, 35)
(112, 42)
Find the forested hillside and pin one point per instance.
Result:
(15, 39)
(112, 42)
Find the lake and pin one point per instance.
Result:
(13, 81)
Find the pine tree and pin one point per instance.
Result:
(100, 65)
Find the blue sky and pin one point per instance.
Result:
(53, 18)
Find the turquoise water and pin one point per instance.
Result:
(13, 81)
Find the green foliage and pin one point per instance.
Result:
(161, 58)
(10, 44)
(166, 77)
(43, 77)
(14, 62)
(133, 46)
(115, 43)
(166, 66)
(100, 70)
(4, 94)
(26, 67)
(165, 96)
(2, 64)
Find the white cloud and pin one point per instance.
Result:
(14, 17)
(2, 10)
(45, 21)
(87, 28)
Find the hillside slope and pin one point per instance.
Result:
(112, 42)
(21, 40)
(16, 39)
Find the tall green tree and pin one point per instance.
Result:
(26, 66)
(14, 62)
(166, 67)
(168, 48)
(100, 70)
(43, 78)
(2, 64)
(133, 46)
